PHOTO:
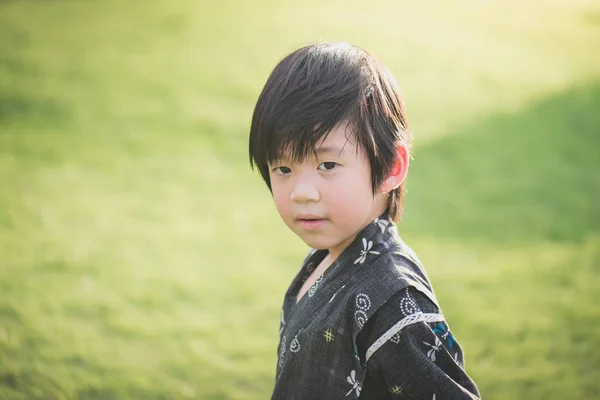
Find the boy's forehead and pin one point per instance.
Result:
(340, 136)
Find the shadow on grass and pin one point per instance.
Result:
(525, 177)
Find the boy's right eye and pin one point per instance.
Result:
(282, 170)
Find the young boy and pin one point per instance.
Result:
(330, 139)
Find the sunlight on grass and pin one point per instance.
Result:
(141, 258)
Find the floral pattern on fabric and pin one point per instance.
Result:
(355, 384)
(366, 250)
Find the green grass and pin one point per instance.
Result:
(140, 258)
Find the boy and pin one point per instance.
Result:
(330, 139)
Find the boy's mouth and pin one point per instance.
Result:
(310, 221)
(308, 217)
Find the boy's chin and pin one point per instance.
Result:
(316, 244)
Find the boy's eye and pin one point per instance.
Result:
(327, 166)
(282, 170)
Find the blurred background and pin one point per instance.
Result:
(140, 258)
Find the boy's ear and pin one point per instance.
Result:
(399, 171)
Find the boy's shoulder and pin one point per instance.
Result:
(397, 268)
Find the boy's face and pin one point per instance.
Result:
(328, 198)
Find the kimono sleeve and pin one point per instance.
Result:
(410, 352)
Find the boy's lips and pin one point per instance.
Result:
(310, 221)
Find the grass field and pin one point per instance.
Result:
(140, 258)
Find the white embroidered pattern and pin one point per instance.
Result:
(282, 322)
(314, 287)
(355, 384)
(363, 303)
(366, 250)
(295, 345)
(408, 306)
(361, 318)
(411, 319)
(282, 351)
(382, 223)
(339, 290)
(434, 348)
(396, 338)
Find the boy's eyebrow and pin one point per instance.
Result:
(329, 149)
(318, 151)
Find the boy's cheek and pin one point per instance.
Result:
(280, 203)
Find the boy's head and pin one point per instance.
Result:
(320, 88)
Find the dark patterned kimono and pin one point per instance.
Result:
(369, 327)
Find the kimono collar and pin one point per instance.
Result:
(376, 236)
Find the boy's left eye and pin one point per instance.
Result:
(327, 166)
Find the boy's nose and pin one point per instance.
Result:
(303, 192)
